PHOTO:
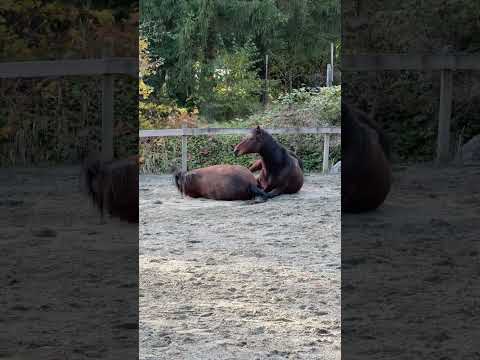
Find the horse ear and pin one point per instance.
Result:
(258, 130)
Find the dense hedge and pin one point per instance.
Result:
(163, 155)
(405, 104)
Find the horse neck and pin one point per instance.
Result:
(271, 153)
(357, 129)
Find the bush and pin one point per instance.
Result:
(162, 155)
(303, 108)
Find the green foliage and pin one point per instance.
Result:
(296, 96)
(236, 87)
(163, 154)
(196, 38)
(303, 108)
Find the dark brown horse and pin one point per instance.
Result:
(113, 187)
(281, 170)
(219, 182)
(366, 172)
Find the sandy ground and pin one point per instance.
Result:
(411, 274)
(68, 281)
(228, 280)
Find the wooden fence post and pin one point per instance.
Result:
(265, 85)
(107, 109)
(329, 75)
(445, 113)
(184, 149)
(326, 152)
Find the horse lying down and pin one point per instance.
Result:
(220, 182)
(113, 187)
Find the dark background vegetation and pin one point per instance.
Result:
(58, 120)
(406, 103)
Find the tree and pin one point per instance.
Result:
(190, 35)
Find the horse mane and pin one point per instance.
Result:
(364, 119)
(271, 140)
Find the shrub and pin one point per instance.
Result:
(161, 155)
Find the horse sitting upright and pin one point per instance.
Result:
(366, 172)
(281, 170)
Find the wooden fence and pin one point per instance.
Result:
(445, 63)
(106, 67)
(185, 132)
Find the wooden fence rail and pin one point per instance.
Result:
(58, 68)
(185, 132)
(106, 67)
(446, 63)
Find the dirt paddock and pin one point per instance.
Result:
(68, 279)
(228, 280)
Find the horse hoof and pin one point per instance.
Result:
(256, 201)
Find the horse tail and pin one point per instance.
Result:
(179, 179)
(91, 173)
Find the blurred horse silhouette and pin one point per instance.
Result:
(366, 171)
(219, 182)
(281, 170)
(113, 187)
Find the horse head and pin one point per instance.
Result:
(253, 143)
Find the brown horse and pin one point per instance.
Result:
(219, 182)
(281, 170)
(113, 186)
(366, 172)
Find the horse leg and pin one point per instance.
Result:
(256, 166)
(274, 193)
(260, 195)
